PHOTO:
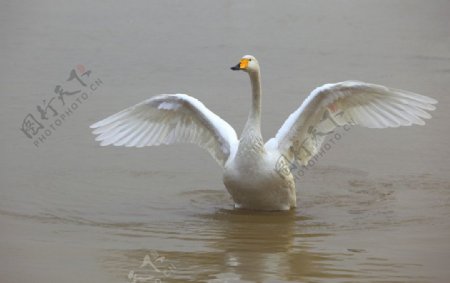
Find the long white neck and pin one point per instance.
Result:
(254, 118)
(251, 144)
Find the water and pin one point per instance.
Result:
(375, 208)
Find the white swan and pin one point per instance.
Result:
(255, 173)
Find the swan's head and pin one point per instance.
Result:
(248, 64)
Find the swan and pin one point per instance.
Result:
(254, 172)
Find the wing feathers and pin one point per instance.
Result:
(367, 105)
(168, 119)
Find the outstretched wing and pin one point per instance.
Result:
(349, 102)
(168, 119)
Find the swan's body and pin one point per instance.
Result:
(252, 172)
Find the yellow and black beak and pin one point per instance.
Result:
(243, 65)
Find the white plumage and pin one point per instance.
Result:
(168, 119)
(251, 168)
(351, 102)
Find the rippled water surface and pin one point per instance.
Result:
(374, 208)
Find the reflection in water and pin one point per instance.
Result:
(243, 246)
(355, 230)
(343, 237)
(265, 245)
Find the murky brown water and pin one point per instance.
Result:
(375, 208)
